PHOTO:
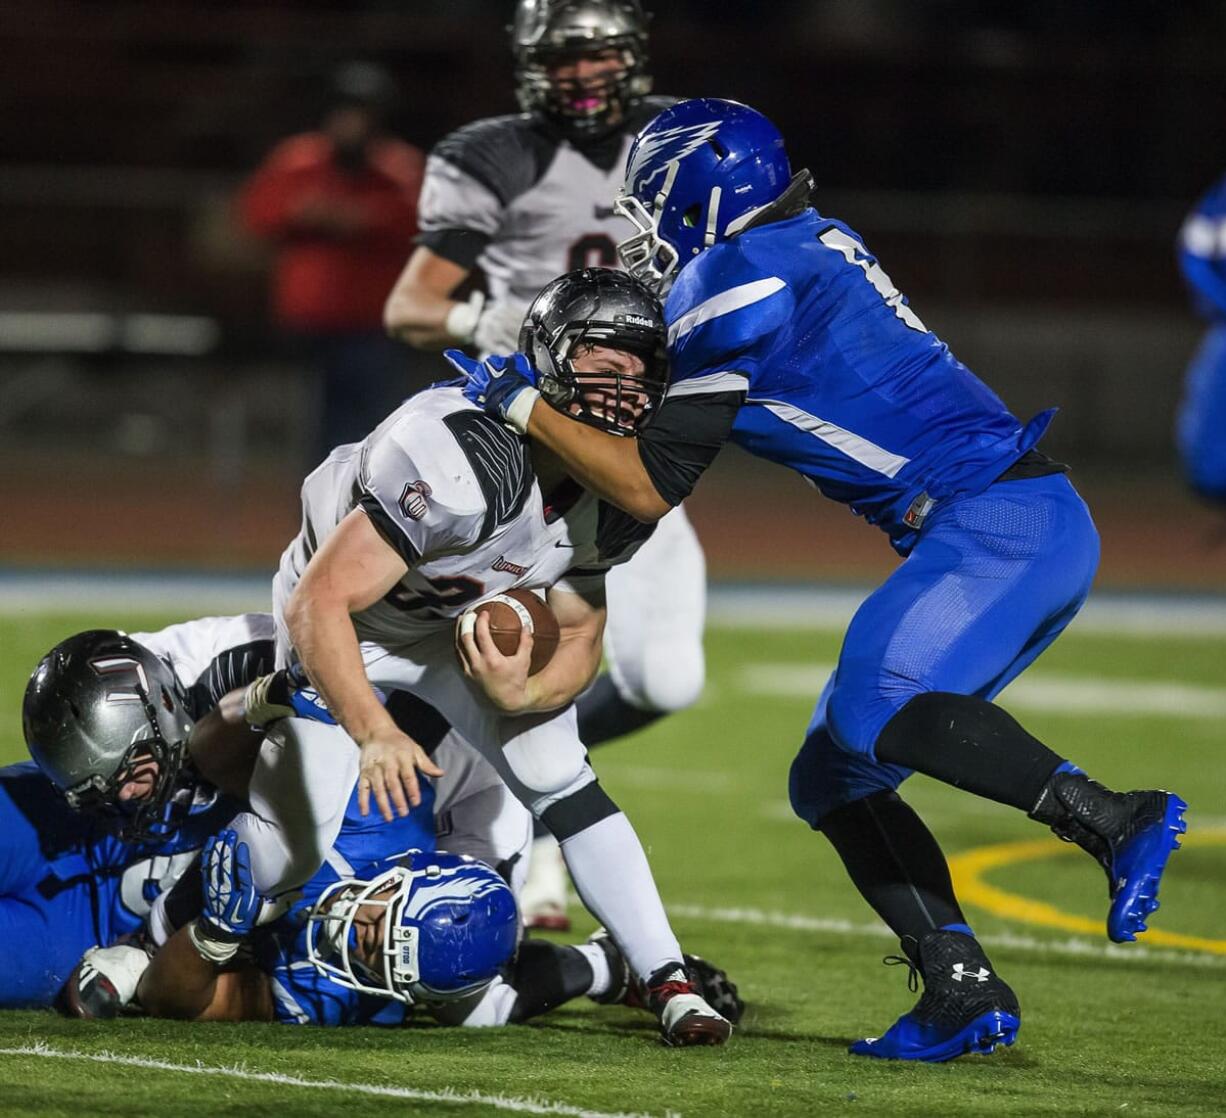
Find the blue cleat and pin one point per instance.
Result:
(1130, 834)
(1139, 863)
(966, 1009)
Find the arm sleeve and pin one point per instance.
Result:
(684, 438)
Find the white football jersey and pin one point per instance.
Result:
(455, 493)
(211, 656)
(526, 205)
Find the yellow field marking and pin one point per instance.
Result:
(969, 867)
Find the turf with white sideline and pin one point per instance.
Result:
(447, 1096)
(731, 605)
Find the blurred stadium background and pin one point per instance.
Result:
(1021, 171)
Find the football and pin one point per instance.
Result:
(509, 613)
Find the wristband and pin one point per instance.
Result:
(521, 408)
(462, 318)
(211, 949)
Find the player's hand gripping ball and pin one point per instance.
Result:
(510, 613)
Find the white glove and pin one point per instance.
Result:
(462, 319)
(498, 327)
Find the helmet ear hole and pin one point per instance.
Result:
(692, 216)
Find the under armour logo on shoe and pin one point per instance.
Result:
(980, 975)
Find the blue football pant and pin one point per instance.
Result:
(993, 580)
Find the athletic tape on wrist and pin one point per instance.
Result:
(258, 711)
(521, 408)
(217, 952)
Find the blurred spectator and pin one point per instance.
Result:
(340, 206)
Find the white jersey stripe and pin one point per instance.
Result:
(727, 381)
(724, 303)
(288, 1002)
(848, 442)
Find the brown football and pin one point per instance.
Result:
(509, 613)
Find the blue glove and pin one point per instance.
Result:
(231, 903)
(496, 383)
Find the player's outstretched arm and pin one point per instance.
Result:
(195, 976)
(420, 309)
(608, 465)
(354, 569)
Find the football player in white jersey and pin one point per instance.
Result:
(524, 198)
(439, 508)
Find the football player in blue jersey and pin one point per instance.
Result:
(787, 337)
(113, 811)
(1202, 413)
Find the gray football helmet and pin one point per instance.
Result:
(602, 307)
(98, 706)
(545, 32)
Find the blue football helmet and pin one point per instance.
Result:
(695, 176)
(422, 927)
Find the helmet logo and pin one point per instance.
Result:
(123, 665)
(656, 150)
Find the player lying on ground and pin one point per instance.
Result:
(440, 507)
(119, 809)
(521, 199)
(84, 712)
(787, 337)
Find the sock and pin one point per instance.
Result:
(546, 975)
(611, 874)
(895, 862)
(605, 715)
(599, 962)
(971, 744)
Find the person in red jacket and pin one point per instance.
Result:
(340, 206)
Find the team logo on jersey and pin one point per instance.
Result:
(413, 500)
(501, 564)
(656, 151)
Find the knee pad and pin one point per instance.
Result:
(578, 810)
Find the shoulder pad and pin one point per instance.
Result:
(506, 154)
(500, 462)
(720, 306)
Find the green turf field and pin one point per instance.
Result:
(1137, 1030)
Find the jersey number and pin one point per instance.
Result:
(444, 594)
(595, 250)
(855, 253)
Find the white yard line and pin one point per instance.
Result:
(1033, 691)
(447, 1096)
(1081, 948)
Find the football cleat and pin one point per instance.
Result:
(684, 1015)
(543, 897)
(965, 1009)
(103, 984)
(711, 982)
(1130, 834)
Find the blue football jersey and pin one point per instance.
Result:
(844, 383)
(1202, 252)
(364, 848)
(68, 883)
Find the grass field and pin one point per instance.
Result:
(1135, 1030)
